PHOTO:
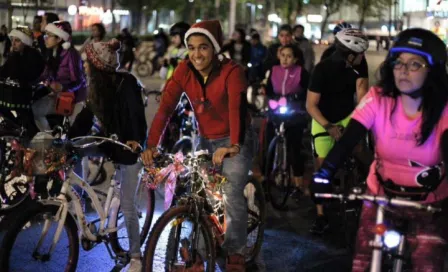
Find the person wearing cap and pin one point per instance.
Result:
(24, 64)
(330, 99)
(407, 114)
(115, 102)
(216, 88)
(63, 73)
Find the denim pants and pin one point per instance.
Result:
(128, 175)
(236, 170)
(47, 105)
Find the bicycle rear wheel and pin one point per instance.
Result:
(278, 174)
(145, 202)
(13, 191)
(256, 208)
(171, 246)
(20, 250)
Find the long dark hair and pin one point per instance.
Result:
(102, 89)
(434, 94)
(101, 29)
(53, 62)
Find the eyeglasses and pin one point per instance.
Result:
(412, 66)
(46, 36)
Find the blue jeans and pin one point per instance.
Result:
(236, 170)
(129, 178)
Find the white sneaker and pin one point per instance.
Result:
(135, 266)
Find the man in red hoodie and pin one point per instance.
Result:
(216, 88)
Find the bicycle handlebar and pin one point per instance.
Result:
(383, 201)
(113, 139)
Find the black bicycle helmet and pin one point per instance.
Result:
(179, 29)
(421, 42)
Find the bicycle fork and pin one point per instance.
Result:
(60, 217)
(377, 243)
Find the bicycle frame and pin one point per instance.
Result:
(111, 207)
(382, 203)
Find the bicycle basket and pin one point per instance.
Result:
(50, 154)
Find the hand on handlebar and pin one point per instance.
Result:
(148, 156)
(335, 132)
(133, 145)
(223, 152)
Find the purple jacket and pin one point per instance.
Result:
(70, 74)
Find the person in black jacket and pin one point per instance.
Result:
(116, 102)
(238, 48)
(24, 65)
(7, 46)
(284, 37)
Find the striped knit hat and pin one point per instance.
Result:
(103, 55)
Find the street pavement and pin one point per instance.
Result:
(288, 246)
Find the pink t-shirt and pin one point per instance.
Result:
(397, 156)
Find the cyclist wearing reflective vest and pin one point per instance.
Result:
(216, 88)
(330, 98)
(407, 114)
(179, 52)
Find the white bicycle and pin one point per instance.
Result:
(37, 239)
(386, 240)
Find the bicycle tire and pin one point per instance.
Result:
(145, 69)
(150, 207)
(20, 222)
(277, 203)
(259, 196)
(164, 219)
(17, 200)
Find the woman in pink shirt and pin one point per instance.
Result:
(407, 114)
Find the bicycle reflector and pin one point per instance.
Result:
(392, 238)
(380, 229)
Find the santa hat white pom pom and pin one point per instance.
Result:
(66, 45)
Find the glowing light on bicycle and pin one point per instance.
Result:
(392, 239)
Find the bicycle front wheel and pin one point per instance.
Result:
(27, 242)
(278, 174)
(180, 241)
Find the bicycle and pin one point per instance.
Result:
(350, 177)
(386, 239)
(278, 166)
(202, 206)
(59, 210)
(14, 191)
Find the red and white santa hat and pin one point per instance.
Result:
(211, 29)
(63, 30)
(24, 34)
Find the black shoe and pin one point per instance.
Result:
(320, 225)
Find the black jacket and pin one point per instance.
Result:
(126, 119)
(25, 67)
(5, 38)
